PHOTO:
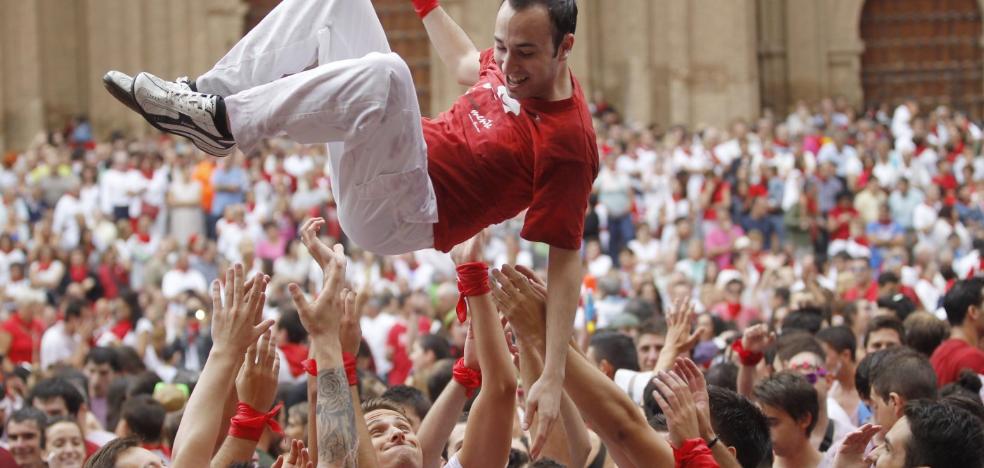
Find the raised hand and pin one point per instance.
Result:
(678, 323)
(851, 452)
(235, 321)
(298, 457)
(322, 317)
(543, 407)
(523, 301)
(256, 384)
(692, 375)
(471, 250)
(673, 396)
(757, 338)
(350, 329)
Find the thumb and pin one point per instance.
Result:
(528, 418)
(297, 296)
(694, 338)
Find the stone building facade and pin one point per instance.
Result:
(694, 62)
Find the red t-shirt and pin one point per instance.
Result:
(491, 156)
(397, 340)
(25, 338)
(843, 230)
(953, 356)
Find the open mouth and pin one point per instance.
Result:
(514, 81)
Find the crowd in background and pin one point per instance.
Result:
(839, 233)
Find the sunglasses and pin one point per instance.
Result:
(812, 374)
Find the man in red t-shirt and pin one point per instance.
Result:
(964, 305)
(521, 137)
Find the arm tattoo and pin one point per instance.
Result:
(338, 438)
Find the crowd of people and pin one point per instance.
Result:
(801, 290)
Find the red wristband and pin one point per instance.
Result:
(693, 452)
(349, 360)
(248, 424)
(423, 7)
(310, 366)
(473, 280)
(747, 358)
(469, 378)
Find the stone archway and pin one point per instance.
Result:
(928, 50)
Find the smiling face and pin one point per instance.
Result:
(394, 440)
(64, 445)
(525, 52)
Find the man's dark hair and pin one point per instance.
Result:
(145, 417)
(724, 375)
(862, 374)
(410, 397)
(924, 332)
(789, 345)
(654, 326)
(882, 322)
(899, 304)
(806, 319)
(888, 277)
(968, 384)
(439, 377)
(840, 338)
(616, 348)
(103, 355)
(963, 295)
(740, 424)
(73, 310)
(791, 393)
(943, 435)
(563, 16)
(30, 413)
(290, 322)
(436, 344)
(57, 387)
(907, 373)
(545, 463)
(107, 455)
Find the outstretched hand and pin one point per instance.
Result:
(851, 452)
(236, 320)
(322, 317)
(757, 338)
(678, 323)
(522, 297)
(256, 384)
(672, 394)
(298, 457)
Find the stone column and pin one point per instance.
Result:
(772, 55)
(23, 95)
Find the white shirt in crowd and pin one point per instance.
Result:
(376, 330)
(65, 222)
(57, 345)
(177, 281)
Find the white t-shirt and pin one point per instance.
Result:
(57, 345)
(176, 282)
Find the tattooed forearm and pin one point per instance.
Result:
(337, 435)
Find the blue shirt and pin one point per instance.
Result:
(229, 176)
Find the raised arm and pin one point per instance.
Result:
(338, 424)
(679, 339)
(488, 434)
(750, 349)
(235, 325)
(570, 443)
(436, 427)
(453, 46)
(613, 415)
(563, 287)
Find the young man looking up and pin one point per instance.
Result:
(521, 138)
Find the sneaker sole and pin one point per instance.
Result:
(221, 148)
(121, 94)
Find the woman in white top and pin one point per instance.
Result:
(184, 199)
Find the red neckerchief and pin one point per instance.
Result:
(733, 309)
(148, 174)
(142, 237)
(78, 273)
(43, 266)
(166, 451)
(295, 354)
(121, 328)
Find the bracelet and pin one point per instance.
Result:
(423, 7)
(747, 358)
(467, 377)
(473, 280)
(248, 423)
(350, 371)
(713, 441)
(310, 366)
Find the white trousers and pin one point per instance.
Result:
(321, 71)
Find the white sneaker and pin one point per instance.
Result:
(174, 108)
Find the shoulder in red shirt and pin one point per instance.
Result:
(491, 156)
(952, 356)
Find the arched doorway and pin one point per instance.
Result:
(926, 49)
(404, 30)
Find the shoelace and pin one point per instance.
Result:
(187, 101)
